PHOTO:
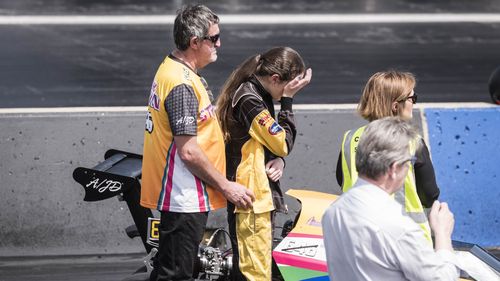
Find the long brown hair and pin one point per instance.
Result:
(284, 61)
(381, 90)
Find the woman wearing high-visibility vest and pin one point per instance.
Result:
(391, 93)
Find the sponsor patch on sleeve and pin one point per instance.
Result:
(264, 119)
(275, 128)
(184, 120)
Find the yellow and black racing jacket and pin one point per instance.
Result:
(255, 138)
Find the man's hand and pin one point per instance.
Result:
(442, 222)
(296, 84)
(274, 169)
(239, 195)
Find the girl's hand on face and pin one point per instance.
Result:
(296, 84)
(274, 169)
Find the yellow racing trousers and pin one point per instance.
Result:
(254, 245)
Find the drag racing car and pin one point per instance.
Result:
(300, 255)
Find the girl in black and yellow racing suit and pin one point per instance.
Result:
(255, 145)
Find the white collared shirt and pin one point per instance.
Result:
(368, 238)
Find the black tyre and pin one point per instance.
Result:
(494, 86)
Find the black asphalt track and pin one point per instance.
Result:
(113, 65)
(158, 7)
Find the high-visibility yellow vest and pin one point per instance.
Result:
(407, 195)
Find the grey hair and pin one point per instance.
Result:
(384, 142)
(192, 21)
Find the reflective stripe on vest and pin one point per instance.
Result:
(406, 196)
(349, 146)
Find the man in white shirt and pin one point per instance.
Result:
(366, 235)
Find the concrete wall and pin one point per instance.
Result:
(41, 206)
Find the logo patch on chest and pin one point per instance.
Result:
(154, 100)
(207, 112)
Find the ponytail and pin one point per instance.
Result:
(241, 74)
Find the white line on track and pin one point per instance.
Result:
(309, 107)
(103, 109)
(251, 19)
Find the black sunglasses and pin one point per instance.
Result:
(213, 38)
(413, 98)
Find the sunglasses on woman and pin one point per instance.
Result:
(413, 98)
